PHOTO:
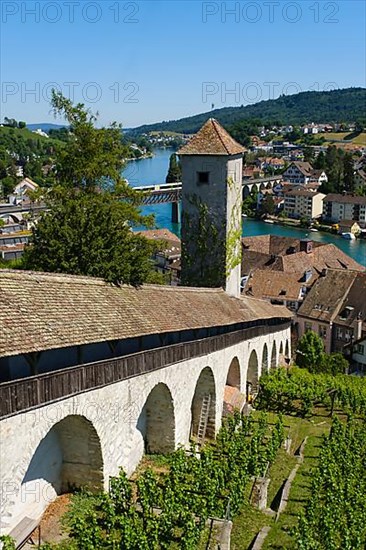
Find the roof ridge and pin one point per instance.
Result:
(216, 127)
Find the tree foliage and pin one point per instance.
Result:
(310, 352)
(87, 228)
(175, 170)
(88, 233)
(347, 105)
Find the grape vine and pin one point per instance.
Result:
(160, 511)
(335, 515)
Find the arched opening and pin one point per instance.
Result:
(233, 375)
(246, 191)
(69, 457)
(281, 357)
(265, 365)
(204, 406)
(274, 356)
(233, 399)
(156, 421)
(252, 376)
(287, 350)
(262, 186)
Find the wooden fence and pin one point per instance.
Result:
(27, 393)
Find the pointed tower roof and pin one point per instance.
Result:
(212, 139)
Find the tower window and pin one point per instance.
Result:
(203, 177)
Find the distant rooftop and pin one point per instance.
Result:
(212, 139)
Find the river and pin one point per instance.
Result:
(154, 170)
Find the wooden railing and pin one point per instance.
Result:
(27, 393)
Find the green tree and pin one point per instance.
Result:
(310, 352)
(21, 124)
(92, 158)
(175, 171)
(308, 154)
(87, 227)
(319, 162)
(88, 233)
(268, 205)
(348, 173)
(336, 363)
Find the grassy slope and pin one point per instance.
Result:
(334, 136)
(250, 521)
(26, 134)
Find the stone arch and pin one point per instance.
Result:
(233, 398)
(67, 458)
(274, 356)
(157, 421)
(205, 387)
(265, 364)
(281, 348)
(252, 374)
(287, 350)
(233, 375)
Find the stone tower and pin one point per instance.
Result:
(212, 164)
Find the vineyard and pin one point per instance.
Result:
(166, 505)
(169, 509)
(296, 391)
(335, 515)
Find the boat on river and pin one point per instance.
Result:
(348, 236)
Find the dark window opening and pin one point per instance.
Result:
(203, 177)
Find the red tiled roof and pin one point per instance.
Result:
(212, 139)
(274, 284)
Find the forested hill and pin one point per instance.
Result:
(346, 105)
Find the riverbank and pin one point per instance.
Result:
(153, 171)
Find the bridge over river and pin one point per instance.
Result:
(153, 194)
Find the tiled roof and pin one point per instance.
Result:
(349, 199)
(355, 303)
(274, 284)
(327, 256)
(40, 311)
(171, 243)
(233, 400)
(304, 167)
(326, 296)
(212, 139)
(347, 223)
(273, 252)
(159, 234)
(301, 193)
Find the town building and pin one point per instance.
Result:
(301, 173)
(303, 203)
(349, 226)
(13, 238)
(21, 191)
(167, 259)
(335, 308)
(356, 354)
(337, 207)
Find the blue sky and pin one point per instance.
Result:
(142, 62)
